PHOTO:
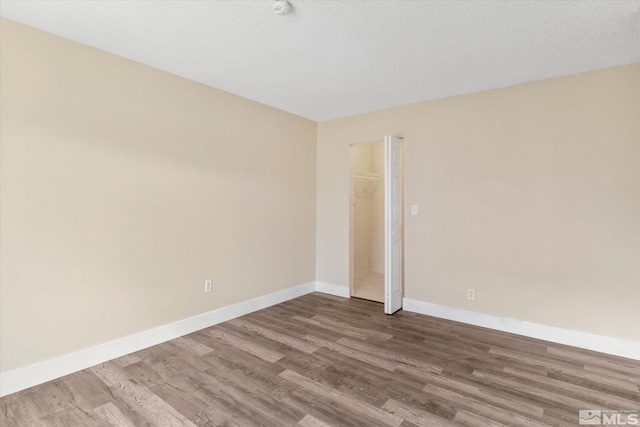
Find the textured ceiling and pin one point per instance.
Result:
(335, 58)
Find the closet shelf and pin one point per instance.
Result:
(364, 184)
(367, 175)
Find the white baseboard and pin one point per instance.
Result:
(361, 273)
(584, 340)
(29, 376)
(22, 378)
(333, 289)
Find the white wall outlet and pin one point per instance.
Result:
(471, 294)
(414, 209)
(208, 285)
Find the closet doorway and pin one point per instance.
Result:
(367, 166)
(376, 222)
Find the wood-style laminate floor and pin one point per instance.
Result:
(321, 360)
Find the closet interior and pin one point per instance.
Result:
(368, 221)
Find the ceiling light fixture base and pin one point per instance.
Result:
(281, 7)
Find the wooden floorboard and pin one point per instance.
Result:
(320, 361)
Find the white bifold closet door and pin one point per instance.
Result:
(393, 244)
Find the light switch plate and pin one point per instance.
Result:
(414, 209)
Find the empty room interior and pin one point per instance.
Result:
(319, 213)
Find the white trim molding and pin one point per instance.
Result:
(29, 376)
(584, 340)
(333, 289)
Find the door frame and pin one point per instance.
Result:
(351, 215)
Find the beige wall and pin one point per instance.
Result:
(529, 194)
(124, 188)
